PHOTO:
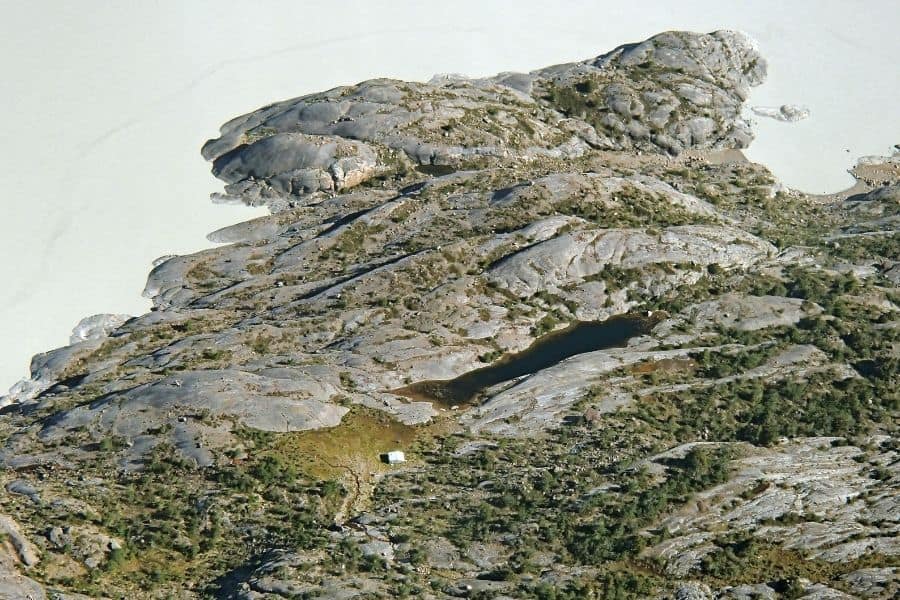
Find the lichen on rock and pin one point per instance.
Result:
(739, 442)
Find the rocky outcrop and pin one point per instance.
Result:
(808, 495)
(733, 438)
(574, 257)
(680, 92)
(14, 586)
(191, 406)
(671, 92)
(90, 546)
(25, 550)
(750, 313)
(298, 164)
(96, 327)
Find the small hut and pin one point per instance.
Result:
(394, 457)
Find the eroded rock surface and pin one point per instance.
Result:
(669, 93)
(232, 442)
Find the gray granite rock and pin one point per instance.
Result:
(820, 483)
(422, 231)
(186, 409)
(874, 583)
(15, 586)
(26, 552)
(572, 257)
(339, 138)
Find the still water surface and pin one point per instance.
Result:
(585, 336)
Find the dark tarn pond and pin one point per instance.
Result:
(436, 170)
(585, 336)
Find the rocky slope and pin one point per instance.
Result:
(740, 443)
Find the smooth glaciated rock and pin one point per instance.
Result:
(26, 552)
(278, 576)
(710, 76)
(269, 404)
(528, 406)
(248, 231)
(339, 138)
(758, 591)
(23, 488)
(161, 259)
(421, 231)
(804, 476)
(96, 327)
(23, 391)
(47, 369)
(572, 257)
(751, 313)
(874, 583)
(440, 553)
(15, 586)
(378, 548)
(727, 55)
(819, 591)
(298, 164)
